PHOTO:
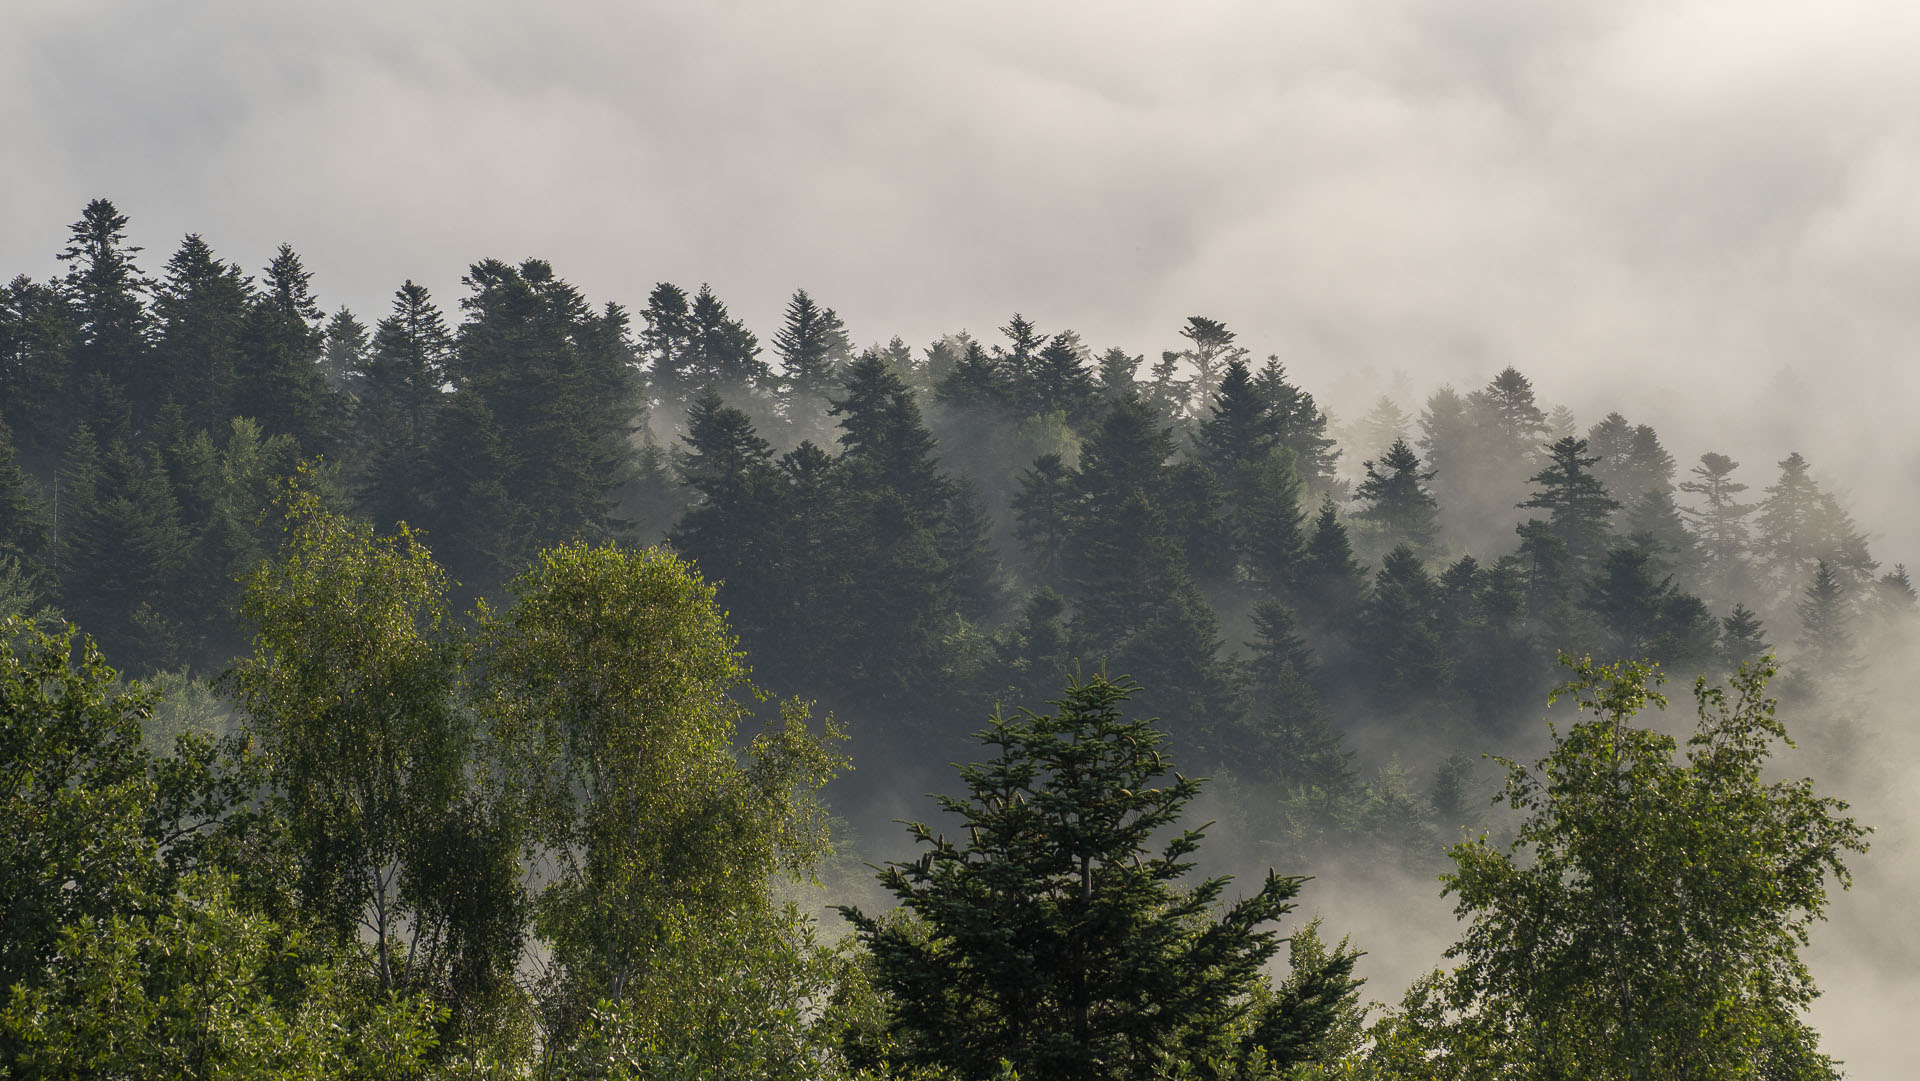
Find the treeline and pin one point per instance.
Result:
(909, 536)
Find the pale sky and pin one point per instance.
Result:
(1669, 209)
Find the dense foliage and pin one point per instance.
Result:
(434, 750)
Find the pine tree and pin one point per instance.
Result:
(1043, 510)
(26, 521)
(664, 348)
(1060, 381)
(1827, 653)
(1302, 426)
(1330, 583)
(1399, 640)
(1210, 350)
(721, 351)
(121, 552)
(558, 382)
(1291, 740)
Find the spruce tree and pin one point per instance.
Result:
(201, 308)
(106, 293)
(1398, 504)
(36, 338)
(1743, 638)
(343, 361)
(812, 345)
(1577, 504)
(1052, 935)
(279, 382)
(402, 391)
(1301, 424)
(1720, 525)
(1827, 650)
(1043, 511)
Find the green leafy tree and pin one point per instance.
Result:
(351, 692)
(614, 689)
(1053, 935)
(1674, 956)
(199, 985)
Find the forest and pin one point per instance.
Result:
(536, 687)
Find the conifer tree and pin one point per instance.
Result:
(1399, 637)
(1743, 638)
(106, 293)
(1061, 381)
(1043, 510)
(1052, 936)
(812, 345)
(721, 351)
(1302, 426)
(1210, 349)
(1330, 582)
(1291, 737)
(1397, 500)
(402, 392)
(122, 549)
(1827, 652)
(202, 310)
(36, 335)
(343, 360)
(664, 347)
(279, 382)
(1577, 504)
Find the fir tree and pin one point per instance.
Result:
(403, 380)
(36, 337)
(1053, 937)
(106, 291)
(1743, 638)
(812, 345)
(343, 361)
(1397, 500)
(202, 311)
(1302, 426)
(279, 382)
(1578, 506)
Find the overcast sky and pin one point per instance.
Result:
(1660, 208)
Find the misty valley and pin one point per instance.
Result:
(536, 687)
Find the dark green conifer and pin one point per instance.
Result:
(1577, 505)
(202, 310)
(1397, 502)
(1051, 935)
